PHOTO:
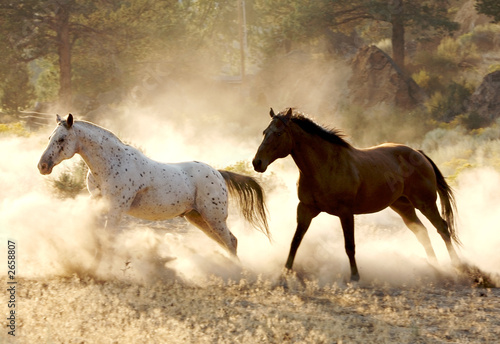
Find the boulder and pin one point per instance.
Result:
(376, 79)
(485, 101)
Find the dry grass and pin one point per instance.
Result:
(251, 310)
(144, 302)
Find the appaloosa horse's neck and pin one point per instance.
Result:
(97, 147)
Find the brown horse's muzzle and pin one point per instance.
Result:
(259, 166)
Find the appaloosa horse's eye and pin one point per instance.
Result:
(60, 140)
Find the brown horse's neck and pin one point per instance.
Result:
(312, 154)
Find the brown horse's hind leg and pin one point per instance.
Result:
(347, 221)
(406, 210)
(432, 213)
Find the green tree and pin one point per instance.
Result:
(93, 40)
(127, 37)
(36, 28)
(295, 20)
(490, 8)
(16, 91)
(105, 45)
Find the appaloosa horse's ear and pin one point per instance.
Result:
(69, 121)
(288, 114)
(271, 113)
(58, 119)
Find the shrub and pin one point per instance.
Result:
(268, 180)
(445, 106)
(493, 68)
(458, 51)
(483, 37)
(17, 129)
(392, 124)
(473, 121)
(422, 78)
(72, 181)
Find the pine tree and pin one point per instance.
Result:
(490, 8)
(296, 20)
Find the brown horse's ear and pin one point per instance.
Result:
(271, 113)
(288, 114)
(69, 121)
(58, 119)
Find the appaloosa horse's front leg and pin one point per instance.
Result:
(347, 221)
(102, 236)
(113, 219)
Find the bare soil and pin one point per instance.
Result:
(76, 309)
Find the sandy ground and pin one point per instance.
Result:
(202, 297)
(139, 295)
(251, 309)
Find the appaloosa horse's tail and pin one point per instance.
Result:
(448, 206)
(251, 200)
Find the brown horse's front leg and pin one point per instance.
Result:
(305, 214)
(347, 221)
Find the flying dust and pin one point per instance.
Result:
(167, 282)
(61, 236)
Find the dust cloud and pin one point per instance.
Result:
(221, 126)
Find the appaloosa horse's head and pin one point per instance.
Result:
(62, 145)
(277, 142)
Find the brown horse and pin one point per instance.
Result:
(343, 181)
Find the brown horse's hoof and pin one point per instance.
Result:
(355, 278)
(289, 279)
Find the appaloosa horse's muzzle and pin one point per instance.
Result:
(45, 167)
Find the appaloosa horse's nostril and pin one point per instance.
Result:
(43, 167)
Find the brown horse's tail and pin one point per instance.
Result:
(448, 206)
(251, 200)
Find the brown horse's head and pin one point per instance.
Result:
(277, 142)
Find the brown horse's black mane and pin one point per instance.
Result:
(331, 135)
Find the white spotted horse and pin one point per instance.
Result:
(133, 184)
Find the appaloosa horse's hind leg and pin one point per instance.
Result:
(196, 219)
(216, 229)
(406, 210)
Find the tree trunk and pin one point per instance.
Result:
(242, 29)
(64, 51)
(398, 34)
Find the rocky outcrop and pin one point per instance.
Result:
(468, 18)
(376, 79)
(485, 101)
